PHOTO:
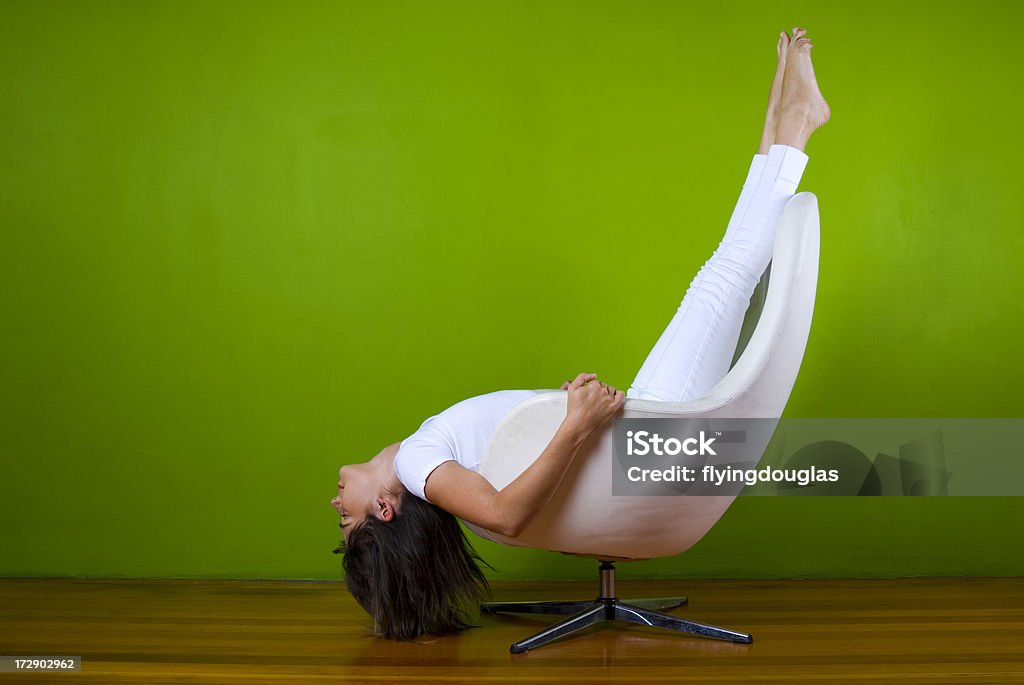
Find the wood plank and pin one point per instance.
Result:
(805, 631)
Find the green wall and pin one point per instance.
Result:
(246, 243)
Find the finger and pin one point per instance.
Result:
(581, 379)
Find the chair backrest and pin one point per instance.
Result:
(583, 517)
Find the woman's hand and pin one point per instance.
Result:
(591, 403)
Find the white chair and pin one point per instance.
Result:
(584, 518)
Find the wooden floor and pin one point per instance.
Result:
(864, 631)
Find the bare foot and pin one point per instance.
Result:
(802, 108)
(775, 95)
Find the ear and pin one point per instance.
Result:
(384, 509)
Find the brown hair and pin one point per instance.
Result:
(416, 574)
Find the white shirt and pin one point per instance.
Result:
(461, 432)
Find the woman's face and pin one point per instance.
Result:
(358, 486)
(368, 489)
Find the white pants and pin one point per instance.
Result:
(697, 348)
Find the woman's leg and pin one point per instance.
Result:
(698, 345)
(695, 350)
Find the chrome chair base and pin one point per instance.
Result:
(607, 607)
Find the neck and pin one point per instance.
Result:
(387, 465)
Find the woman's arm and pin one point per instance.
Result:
(472, 498)
(508, 511)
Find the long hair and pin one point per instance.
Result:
(416, 574)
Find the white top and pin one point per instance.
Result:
(461, 432)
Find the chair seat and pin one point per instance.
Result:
(583, 517)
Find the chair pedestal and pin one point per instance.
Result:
(607, 607)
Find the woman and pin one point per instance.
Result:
(407, 561)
